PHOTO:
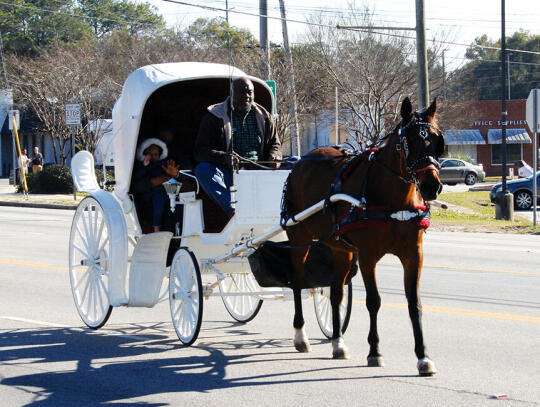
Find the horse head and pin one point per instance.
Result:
(421, 143)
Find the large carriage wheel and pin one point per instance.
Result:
(243, 308)
(323, 309)
(186, 296)
(89, 250)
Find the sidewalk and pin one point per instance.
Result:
(8, 197)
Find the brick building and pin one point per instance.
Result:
(481, 141)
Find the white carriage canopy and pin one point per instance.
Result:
(172, 96)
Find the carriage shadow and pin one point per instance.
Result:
(98, 369)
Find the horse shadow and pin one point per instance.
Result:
(109, 368)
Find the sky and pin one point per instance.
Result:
(461, 21)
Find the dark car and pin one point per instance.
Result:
(454, 170)
(522, 189)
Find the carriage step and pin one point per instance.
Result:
(148, 267)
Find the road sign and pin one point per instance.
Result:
(17, 119)
(272, 85)
(73, 114)
(529, 109)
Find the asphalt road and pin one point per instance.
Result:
(481, 296)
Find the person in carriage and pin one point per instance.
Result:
(236, 127)
(152, 155)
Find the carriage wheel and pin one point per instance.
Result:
(243, 308)
(323, 309)
(89, 250)
(186, 296)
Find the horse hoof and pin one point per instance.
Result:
(303, 347)
(426, 367)
(301, 341)
(375, 361)
(339, 349)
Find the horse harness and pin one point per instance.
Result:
(368, 216)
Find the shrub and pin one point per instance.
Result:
(54, 179)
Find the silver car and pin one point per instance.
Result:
(454, 170)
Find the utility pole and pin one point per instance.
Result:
(504, 95)
(443, 77)
(421, 56)
(227, 11)
(290, 83)
(508, 69)
(263, 32)
(337, 118)
(504, 200)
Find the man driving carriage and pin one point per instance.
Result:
(237, 127)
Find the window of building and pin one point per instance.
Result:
(465, 151)
(513, 153)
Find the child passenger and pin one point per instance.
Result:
(152, 153)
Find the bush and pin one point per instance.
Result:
(110, 177)
(54, 179)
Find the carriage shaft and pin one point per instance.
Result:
(278, 229)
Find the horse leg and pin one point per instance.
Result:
(300, 340)
(342, 265)
(373, 304)
(412, 266)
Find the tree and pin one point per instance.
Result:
(479, 79)
(29, 26)
(216, 33)
(106, 16)
(372, 73)
(67, 75)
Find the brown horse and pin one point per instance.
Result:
(393, 182)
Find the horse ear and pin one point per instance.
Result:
(406, 109)
(430, 111)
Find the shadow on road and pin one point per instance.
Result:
(109, 367)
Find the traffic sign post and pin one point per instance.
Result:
(73, 119)
(532, 116)
(14, 117)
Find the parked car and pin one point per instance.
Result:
(522, 189)
(453, 171)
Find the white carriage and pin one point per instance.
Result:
(113, 263)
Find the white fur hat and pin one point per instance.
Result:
(147, 143)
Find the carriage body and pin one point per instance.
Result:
(113, 262)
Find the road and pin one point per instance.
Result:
(481, 296)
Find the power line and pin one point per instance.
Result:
(212, 8)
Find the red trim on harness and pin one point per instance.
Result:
(366, 223)
(424, 223)
(428, 168)
(361, 224)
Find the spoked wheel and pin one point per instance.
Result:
(186, 296)
(323, 309)
(243, 308)
(89, 250)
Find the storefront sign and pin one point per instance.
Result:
(479, 123)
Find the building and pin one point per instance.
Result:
(29, 135)
(481, 142)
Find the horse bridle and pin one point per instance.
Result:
(425, 160)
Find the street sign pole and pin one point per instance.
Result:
(532, 116)
(535, 153)
(73, 119)
(72, 154)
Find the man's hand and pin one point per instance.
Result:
(230, 160)
(171, 169)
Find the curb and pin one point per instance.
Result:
(38, 205)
